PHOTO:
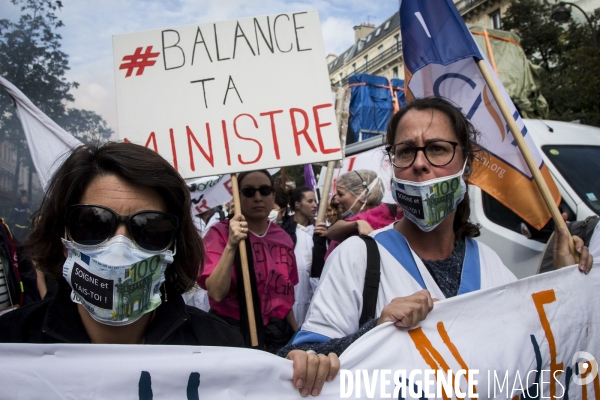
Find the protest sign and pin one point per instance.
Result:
(228, 96)
(528, 335)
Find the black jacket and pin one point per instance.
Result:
(56, 320)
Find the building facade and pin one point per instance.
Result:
(377, 50)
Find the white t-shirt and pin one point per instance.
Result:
(303, 291)
(337, 304)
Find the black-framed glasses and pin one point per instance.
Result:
(264, 190)
(438, 153)
(89, 224)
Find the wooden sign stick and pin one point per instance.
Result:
(245, 269)
(535, 172)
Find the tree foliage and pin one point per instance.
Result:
(32, 60)
(571, 83)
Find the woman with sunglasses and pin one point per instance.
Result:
(270, 252)
(115, 231)
(430, 253)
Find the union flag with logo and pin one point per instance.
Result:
(440, 58)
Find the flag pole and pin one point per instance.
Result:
(245, 270)
(535, 172)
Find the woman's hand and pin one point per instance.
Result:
(562, 256)
(406, 312)
(363, 227)
(321, 229)
(238, 230)
(311, 370)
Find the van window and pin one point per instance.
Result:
(501, 215)
(580, 166)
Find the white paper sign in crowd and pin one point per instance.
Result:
(525, 336)
(228, 96)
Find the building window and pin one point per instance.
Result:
(387, 25)
(395, 72)
(380, 48)
(366, 62)
(495, 20)
(354, 68)
(369, 37)
(378, 31)
(397, 39)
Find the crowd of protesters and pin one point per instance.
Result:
(121, 204)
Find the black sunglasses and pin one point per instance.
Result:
(89, 224)
(264, 190)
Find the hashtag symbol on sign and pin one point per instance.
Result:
(138, 60)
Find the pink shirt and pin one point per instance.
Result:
(377, 217)
(274, 267)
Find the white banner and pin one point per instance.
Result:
(228, 96)
(527, 335)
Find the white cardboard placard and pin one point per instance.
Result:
(228, 96)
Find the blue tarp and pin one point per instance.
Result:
(371, 105)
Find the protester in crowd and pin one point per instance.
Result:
(208, 218)
(359, 193)
(273, 270)
(19, 218)
(332, 210)
(116, 221)
(430, 253)
(303, 202)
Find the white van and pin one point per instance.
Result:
(572, 153)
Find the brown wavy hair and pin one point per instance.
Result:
(467, 138)
(138, 166)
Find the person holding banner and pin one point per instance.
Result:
(270, 256)
(430, 253)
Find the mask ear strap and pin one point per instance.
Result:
(175, 247)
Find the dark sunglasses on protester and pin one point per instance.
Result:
(264, 190)
(88, 224)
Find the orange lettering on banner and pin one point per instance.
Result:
(596, 383)
(539, 299)
(431, 356)
(190, 136)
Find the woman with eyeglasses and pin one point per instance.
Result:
(428, 254)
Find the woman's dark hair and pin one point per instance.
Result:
(136, 165)
(244, 174)
(281, 197)
(297, 195)
(467, 138)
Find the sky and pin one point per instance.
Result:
(90, 25)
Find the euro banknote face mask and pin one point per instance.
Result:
(117, 282)
(428, 203)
